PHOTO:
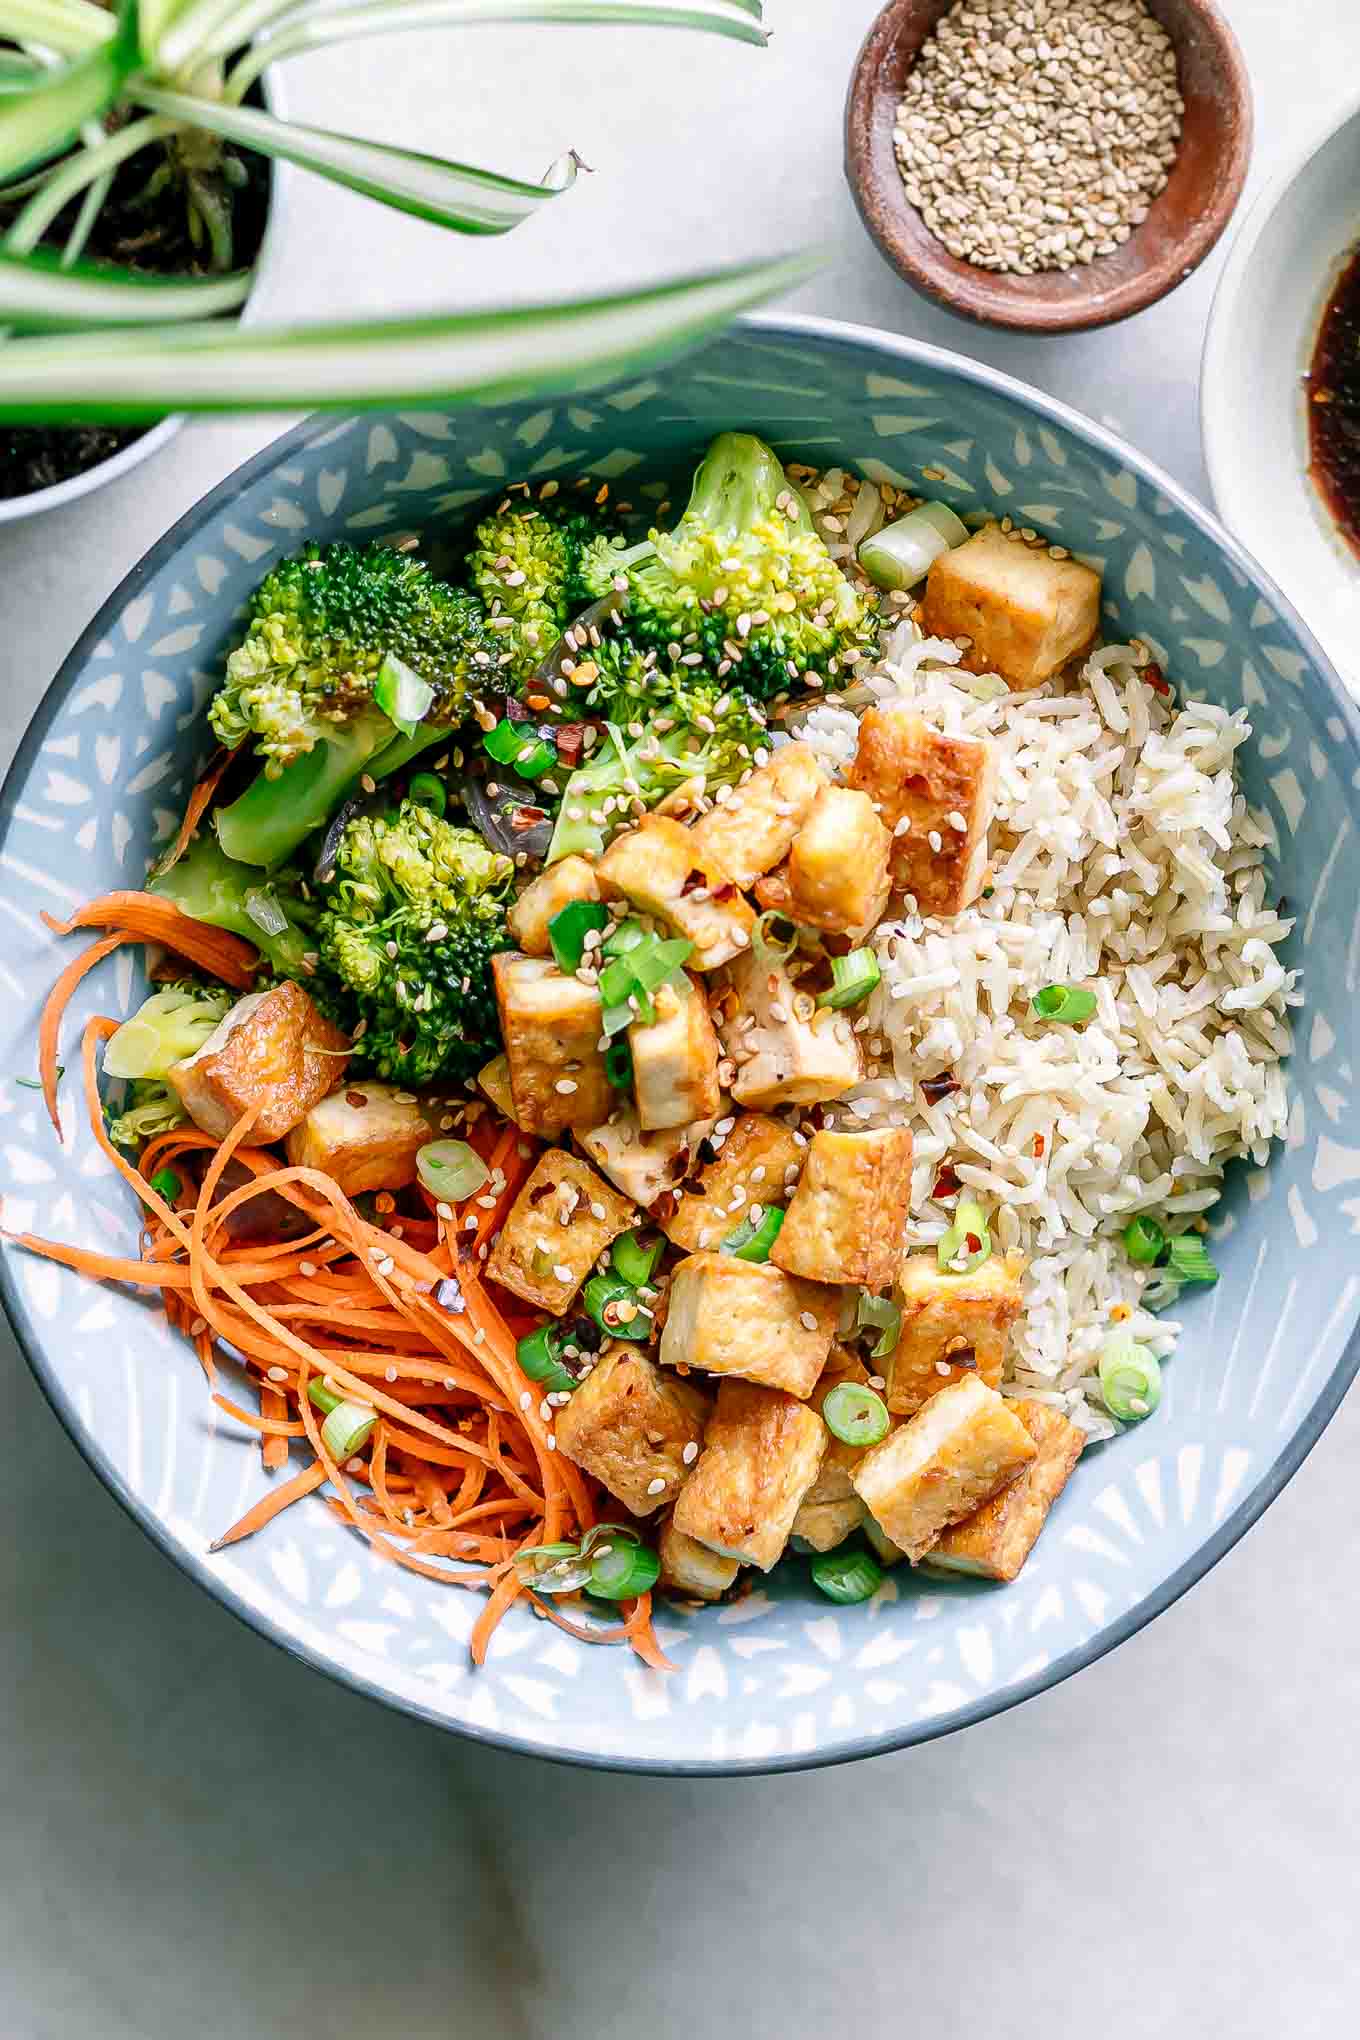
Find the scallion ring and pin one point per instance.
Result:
(769, 947)
(752, 1239)
(1067, 1004)
(404, 698)
(1130, 1379)
(847, 1576)
(884, 1316)
(855, 1415)
(634, 1257)
(348, 1426)
(853, 978)
(968, 1243)
(450, 1170)
(1187, 1260)
(1144, 1240)
(620, 1572)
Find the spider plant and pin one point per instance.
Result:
(84, 90)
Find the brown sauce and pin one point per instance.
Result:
(1334, 405)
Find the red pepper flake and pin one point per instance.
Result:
(946, 1183)
(972, 1242)
(935, 1088)
(357, 1100)
(570, 738)
(1038, 1146)
(1156, 678)
(526, 818)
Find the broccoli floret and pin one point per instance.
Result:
(170, 1025)
(210, 886)
(526, 565)
(412, 917)
(744, 580)
(353, 661)
(150, 1108)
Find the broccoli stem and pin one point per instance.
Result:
(210, 886)
(268, 821)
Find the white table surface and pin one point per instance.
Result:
(197, 1835)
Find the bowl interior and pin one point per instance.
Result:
(1183, 222)
(1262, 333)
(782, 1677)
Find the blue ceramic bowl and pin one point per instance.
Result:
(783, 1678)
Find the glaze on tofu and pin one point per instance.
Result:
(675, 1058)
(629, 1425)
(558, 1226)
(794, 1052)
(660, 869)
(837, 874)
(365, 1136)
(546, 895)
(273, 1051)
(552, 1026)
(754, 830)
(761, 1453)
(758, 1163)
(952, 1326)
(935, 794)
(750, 1319)
(962, 1448)
(690, 1568)
(644, 1166)
(1026, 613)
(994, 1542)
(845, 1221)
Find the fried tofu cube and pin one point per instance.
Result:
(546, 895)
(845, 1221)
(675, 1058)
(761, 1453)
(837, 873)
(272, 1050)
(559, 1225)
(1026, 613)
(552, 1026)
(953, 1326)
(822, 1526)
(644, 1166)
(927, 785)
(628, 1425)
(365, 1136)
(882, 1546)
(758, 1163)
(754, 830)
(833, 1482)
(690, 1568)
(954, 1455)
(796, 1052)
(660, 869)
(747, 1318)
(995, 1541)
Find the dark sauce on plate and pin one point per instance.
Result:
(1334, 405)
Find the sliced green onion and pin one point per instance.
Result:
(884, 1316)
(618, 1064)
(166, 1184)
(348, 1426)
(751, 1241)
(568, 929)
(618, 986)
(902, 554)
(320, 1392)
(653, 962)
(1130, 1379)
(429, 792)
(968, 1243)
(626, 936)
(519, 745)
(540, 1359)
(450, 1170)
(634, 1257)
(1068, 1004)
(1144, 1240)
(553, 1568)
(1187, 1260)
(847, 1576)
(404, 698)
(855, 1415)
(768, 945)
(1161, 1291)
(615, 1309)
(853, 977)
(619, 1572)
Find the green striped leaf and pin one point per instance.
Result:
(70, 27)
(466, 357)
(38, 296)
(39, 124)
(192, 29)
(452, 195)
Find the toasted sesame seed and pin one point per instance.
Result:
(656, 1487)
(690, 1453)
(278, 1374)
(807, 1321)
(566, 1085)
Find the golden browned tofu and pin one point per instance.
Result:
(846, 1218)
(886, 1552)
(629, 1424)
(995, 1541)
(365, 1136)
(833, 1482)
(792, 1052)
(747, 1318)
(558, 1226)
(935, 794)
(758, 1163)
(837, 873)
(952, 1326)
(688, 1567)
(822, 1525)
(546, 895)
(660, 869)
(675, 1058)
(274, 1051)
(644, 1166)
(754, 830)
(552, 1026)
(954, 1455)
(493, 1081)
(761, 1452)
(1026, 613)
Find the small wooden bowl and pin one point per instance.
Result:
(1183, 222)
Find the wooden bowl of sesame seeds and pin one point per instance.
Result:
(1034, 246)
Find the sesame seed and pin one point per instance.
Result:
(935, 841)
(656, 1487)
(391, 1374)
(562, 1272)
(690, 1453)
(566, 1085)
(278, 1374)
(807, 1321)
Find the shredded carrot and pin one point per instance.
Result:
(54, 1007)
(197, 806)
(143, 917)
(278, 1499)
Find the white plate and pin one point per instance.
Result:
(1253, 402)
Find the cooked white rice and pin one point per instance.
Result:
(1123, 858)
